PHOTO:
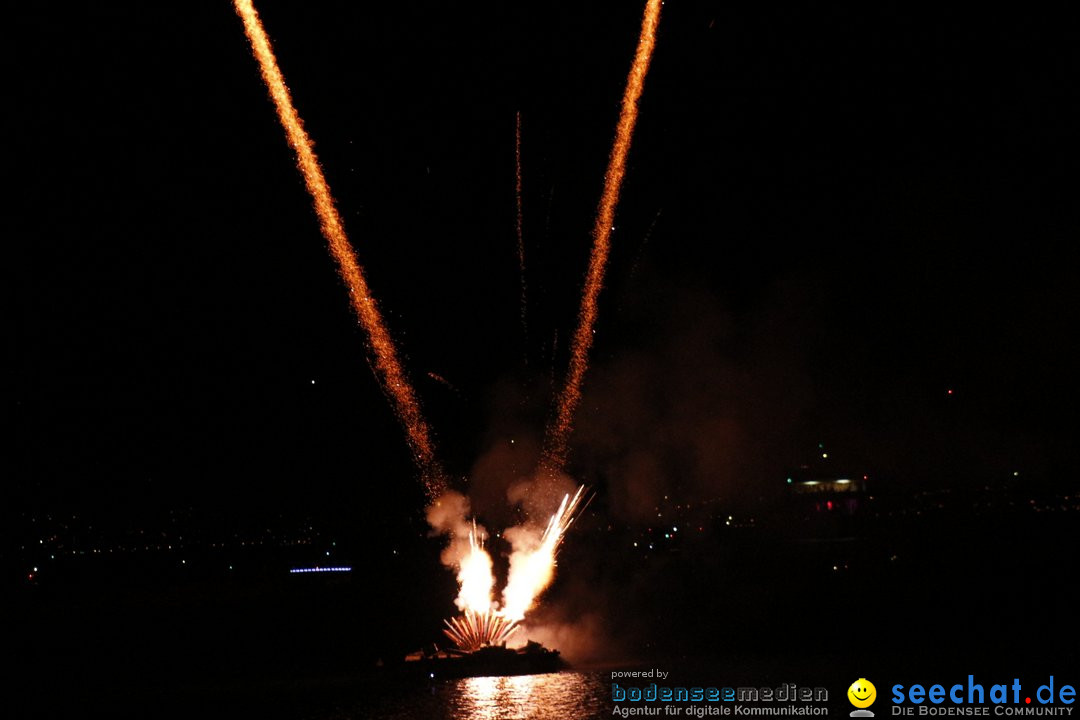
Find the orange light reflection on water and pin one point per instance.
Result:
(553, 696)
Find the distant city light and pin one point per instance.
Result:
(320, 570)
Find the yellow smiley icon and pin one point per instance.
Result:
(862, 693)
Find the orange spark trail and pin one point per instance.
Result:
(558, 435)
(388, 367)
(520, 234)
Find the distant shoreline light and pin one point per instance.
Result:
(319, 570)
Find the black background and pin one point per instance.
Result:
(836, 215)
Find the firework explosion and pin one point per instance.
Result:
(532, 562)
(472, 630)
(388, 367)
(532, 567)
(475, 577)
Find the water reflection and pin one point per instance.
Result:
(480, 698)
(525, 697)
(553, 696)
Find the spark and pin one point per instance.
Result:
(533, 568)
(443, 381)
(532, 563)
(388, 368)
(555, 451)
(473, 630)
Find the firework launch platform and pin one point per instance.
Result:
(495, 660)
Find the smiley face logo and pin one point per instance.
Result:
(862, 693)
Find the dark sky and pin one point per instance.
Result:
(852, 212)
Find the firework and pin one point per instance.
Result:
(444, 382)
(532, 564)
(555, 450)
(473, 630)
(388, 367)
(532, 567)
(475, 577)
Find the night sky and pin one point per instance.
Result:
(852, 212)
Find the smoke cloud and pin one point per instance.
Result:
(450, 515)
(706, 406)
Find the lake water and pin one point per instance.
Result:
(565, 695)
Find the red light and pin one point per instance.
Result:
(949, 391)
(829, 504)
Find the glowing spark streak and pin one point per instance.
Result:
(472, 631)
(531, 572)
(520, 226)
(388, 367)
(443, 381)
(555, 451)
